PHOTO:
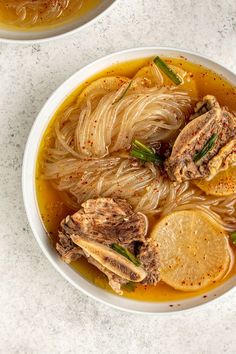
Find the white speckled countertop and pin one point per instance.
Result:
(39, 311)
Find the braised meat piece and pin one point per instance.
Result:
(107, 221)
(99, 225)
(201, 141)
(209, 102)
(224, 159)
(150, 260)
(67, 249)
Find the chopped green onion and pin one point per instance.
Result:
(138, 145)
(144, 153)
(124, 93)
(145, 157)
(130, 286)
(167, 70)
(206, 148)
(126, 253)
(233, 237)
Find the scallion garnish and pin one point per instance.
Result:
(126, 253)
(144, 153)
(206, 148)
(167, 70)
(233, 237)
(130, 286)
(138, 145)
(124, 93)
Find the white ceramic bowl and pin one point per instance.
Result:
(9, 35)
(28, 183)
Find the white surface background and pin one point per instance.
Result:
(39, 311)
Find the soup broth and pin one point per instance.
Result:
(52, 204)
(37, 15)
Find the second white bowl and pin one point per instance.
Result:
(10, 35)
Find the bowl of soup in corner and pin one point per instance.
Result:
(37, 20)
(129, 180)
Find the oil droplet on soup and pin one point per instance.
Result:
(53, 210)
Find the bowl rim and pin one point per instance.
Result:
(28, 189)
(59, 35)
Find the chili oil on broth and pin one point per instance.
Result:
(50, 201)
(11, 18)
